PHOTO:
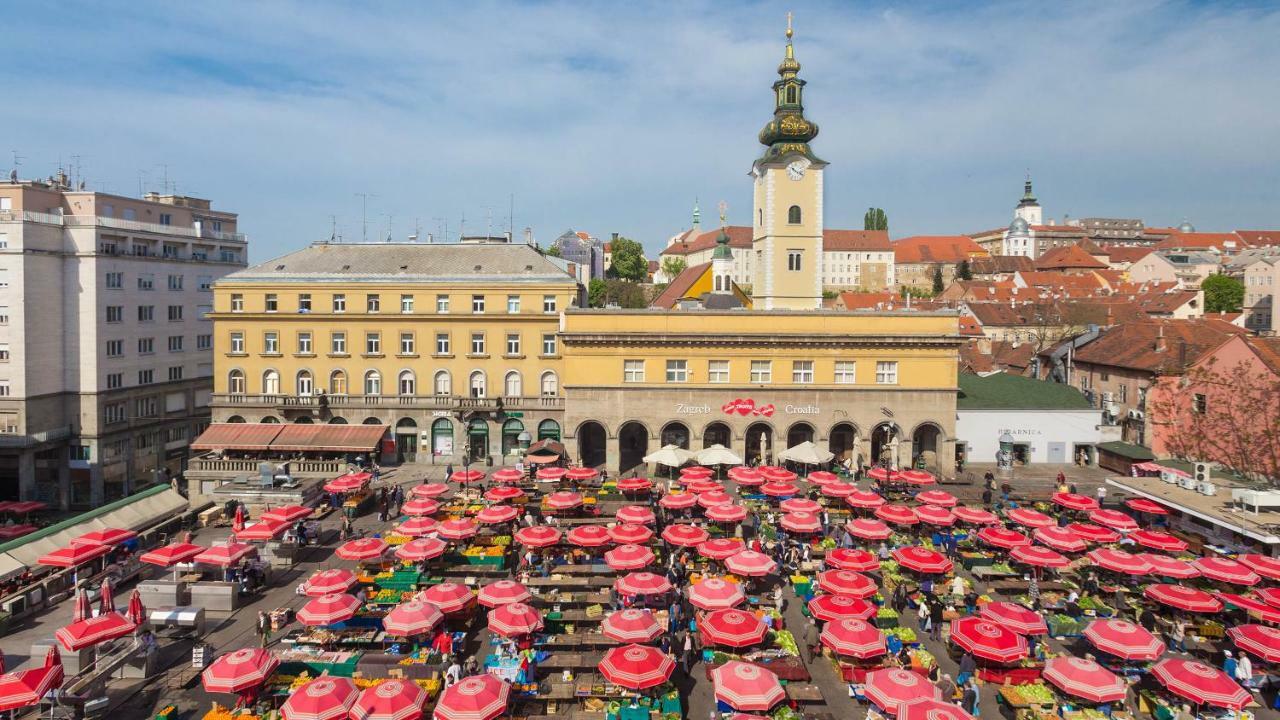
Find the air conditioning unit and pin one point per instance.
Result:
(1186, 482)
(1206, 488)
(1169, 477)
(1202, 472)
(1111, 408)
(1108, 397)
(1135, 415)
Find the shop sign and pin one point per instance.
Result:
(1020, 432)
(745, 407)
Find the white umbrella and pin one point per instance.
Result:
(806, 453)
(669, 455)
(717, 455)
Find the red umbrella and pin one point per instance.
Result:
(562, 499)
(822, 477)
(1264, 565)
(864, 499)
(91, 631)
(478, 697)
(412, 617)
(732, 628)
(1074, 501)
(239, 670)
(426, 506)
(892, 687)
(847, 582)
(457, 529)
(779, 489)
(629, 557)
(361, 549)
(1200, 683)
(106, 597)
(1165, 566)
(801, 522)
(746, 476)
(1269, 595)
(429, 490)
(538, 536)
(1226, 570)
(636, 667)
(684, 535)
(629, 533)
(589, 536)
(1183, 598)
(773, 473)
(1113, 519)
(346, 483)
(696, 471)
(714, 594)
(800, 504)
(922, 560)
(853, 637)
(74, 555)
(467, 476)
(868, 529)
(897, 514)
(417, 527)
(1146, 506)
(503, 592)
(171, 554)
(420, 549)
(109, 536)
(328, 582)
(551, 473)
(225, 555)
(703, 486)
(1254, 607)
(678, 501)
(1119, 561)
(1085, 679)
(1002, 537)
(838, 607)
(749, 563)
(506, 475)
(987, 640)
(1124, 639)
(394, 700)
(631, 626)
(1027, 517)
(83, 609)
(1061, 539)
(642, 583)
(917, 477)
(497, 514)
(634, 485)
(713, 498)
(941, 498)
(839, 489)
(449, 597)
(926, 709)
(514, 619)
(1017, 618)
(727, 513)
(746, 687)
(637, 514)
(23, 689)
(288, 513)
(582, 473)
(720, 548)
(325, 698)
(847, 559)
(1260, 640)
(936, 515)
(328, 610)
(1039, 556)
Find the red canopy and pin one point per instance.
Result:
(631, 626)
(636, 667)
(91, 631)
(800, 504)
(263, 530)
(288, 513)
(1165, 566)
(419, 549)
(1255, 608)
(642, 583)
(412, 617)
(1260, 640)
(864, 499)
(171, 554)
(551, 473)
(427, 506)
(749, 563)
(467, 476)
(684, 535)
(714, 594)
(503, 592)
(429, 490)
(1226, 570)
(917, 477)
(779, 489)
(630, 533)
(1124, 639)
(400, 700)
(868, 529)
(226, 555)
(1039, 556)
(629, 557)
(897, 514)
(1183, 598)
(1075, 501)
(975, 516)
(361, 549)
(479, 697)
(1146, 506)
(1085, 679)
(1094, 533)
(24, 688)
(562, 500)
(239, 670)
(1264, 565)
(732, 628)
(1113, 519)
(328, 582)
(1002, 537)
(891, 687)
(700, 486)
(847, 582)
(941, 498)
(679, 501)
(1119, 561)
(514, 619)
(720, 548)
(836, 607)
(987, 640)
(589, 536)
(328, 610)
(1157, 540)
(74, 555)
(696, 471)
(325, 698)
(109, 536)
(853, 637)
(1061, 539)
(635, 485)
(838, 489)
(801, 522)
(727, 513)
(348, 483)
(506, 475)
(922, 560)
(847, 559)
(1200, 683)
(449, 597)
(1017, 618)
(637, 514)
(457, 529)
(582, 473)
(746, 476)
(928, 709)
(936, 515)
(712, 498)
(773, 473)
(742, 686)
(497, 514)
(1027, 517)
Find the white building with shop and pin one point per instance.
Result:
(1049, 423)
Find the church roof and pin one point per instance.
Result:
(679, 286)
(936, 249)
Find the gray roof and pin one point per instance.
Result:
(409, 262)
(1188, 258)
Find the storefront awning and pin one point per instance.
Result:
(290, 438)
(547, 447)
(237, 436)
(1127, 450)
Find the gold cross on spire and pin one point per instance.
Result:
(724, 213)
(788, 25)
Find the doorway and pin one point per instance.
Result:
(406, 440)
(924, 446)
(884, 444)
(675, 433)
(591, 443)
(759, 444)
(843, 443)
(477, 440)
(799, 433)
(633, 445)
(717, 433)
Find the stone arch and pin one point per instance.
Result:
(270, 420)
(235, 419)
(593, 442)
(675, 433)
(842, 441)
(633, 444)
(337, 420)
(759, 443)
(302, 420)
(883, 437)
(926, 442)
(371, 421)
(717, 433)
(800, 432)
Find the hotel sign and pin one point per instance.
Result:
(745, 407)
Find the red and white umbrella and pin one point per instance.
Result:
(917, 477)
(589, 536)
(1254, 607)
(1119, 561)
(637, 514)
(642, 583)
(514, 619)
(392, 700)
(630, 533)
(864, 499)
(726, 513)
(839, 489)
(629, 557)
(420, 549)
(636, 667)
(429, 490)
(1269, 595)
(107, 536)
(94, 630)
(822, 477)
(746, 687)
(412, 617)
(779, 489)
(1124, 639)
(426, 506)
(732, 628)
(1085, 679)
(684, 535)
(941, 498)
(225, 555)
(134, 611)
(506, 475)
(922, 560)
(239, 670)
(478, 697)
(714, 594)
(847, 582)
(837, 607)
(328, 582)
(1113, 519)
(1074, 501)
(1027, 517)
(24, 688)
(348, 483)
(1017, 618)
(83, 608)
(635, 485)
(1200, 683)
(800, 504)
(328, 610)
(582, 473)
(171, 554)
(551, 473)
(288, 513)
(892, 687)
(1260, 640)
(678, 501)
(746, 476)
(417, 526)
(449, 597)
(1165, 566)
(936, 515)
(1226, 570)
(720, 548)
(503, 592)
(773, 473)
(1060, 539)
(538, 536)
(1144, 505)
(106, 598)
(696, 472)
(750, 563)
(73, 555)
(361, 549)
(1264, 565)
(562, 500)
(926, 709)
(1183, 598)
(711, 488)
(854, 638)
(467, 476)
(848, 559)
(497, 514)
(1002, 537)
(325, 698)
(868, 529)
(897, 514)
(801, 522)
(987, 640)
(457, 529)
(631, 626)
(1039, 556)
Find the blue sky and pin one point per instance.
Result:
(612, 117)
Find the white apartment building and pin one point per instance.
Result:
(106, 356)
(1261, 280)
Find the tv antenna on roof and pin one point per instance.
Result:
(364, 215)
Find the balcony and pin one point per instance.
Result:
(286, 403)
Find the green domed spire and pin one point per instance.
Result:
(789, 131)
(722, 251)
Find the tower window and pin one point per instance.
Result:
(793, 215)
(759, 217)
(791, 94)
(793, 260)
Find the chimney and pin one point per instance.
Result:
(984, 345)
(1161, 345)
(614, 236)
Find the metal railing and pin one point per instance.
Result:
(8, 440)
(118, 224)
(296, 467)
(425, 402)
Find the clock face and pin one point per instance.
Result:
(795, 170)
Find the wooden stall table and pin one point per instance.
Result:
(1025, 708)
(987, 573)
(789, 668)
(576, 640)
(805, 693)
(571, 661)
(571, 598)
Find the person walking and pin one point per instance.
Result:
(947, 688)
(968, 666)
(264, 628)
(972, 697)
(811, 639)
(1102, 495)
(686, 654)
(1178, 635)
(935, 619)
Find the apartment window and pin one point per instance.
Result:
(304, 302)
(4, 351)
(271, 382)
(761, 371)
(166, 218)
(443, 383)
(146, 281)
(304, 343)
(339, 303)
(236, 382)
(115, 381)
(4, 314)
(271, 343)
(272, 303)
(175, 373)
(204, 283)
(6, 204)
(373, 303)
(204, 342)
(304, 383)
(1104, 376)
(846, 372)
(4, 388)
(477, 343)
(633, 371)
(407, 344)
(175, 343)
(146, 346)
(406, 304)
(4, 240)
(1124, 393)
(442, 344)
(1199, 404)
(338, 343)
(442, 304)
(513, 343)
(237, 343)
(548, 303)
(887, 373)
(146, 313)
(338, 382)
(718, 371)
(115, 280)
(793, 215)
(175, 282)
(115, 313)
(677, 371)
(175, 313)
(114, 412)
(550, 383)
(373, 343)
(513, 304)
(793, 260)
(802, 372)
(513, 385)
(549, 344)
(477, 303)
(372, 383)
(408, 383)
(146, 377)
(237, 302)
(479, 384)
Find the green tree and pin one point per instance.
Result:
(673, 266)
(938, 284)
(963, 271)
(629, 262)
(595, 293)
(1222, 294)
(554, 251)
(875, 219)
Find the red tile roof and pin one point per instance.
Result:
(864, 300)
(740, 236)
(1260, 237)
(936, 249)
(1000, 264)
(1058, 229)
(969, 325)
(860, 240)
(1201, 240)
(1066, 257)
(1060, 280)
(689, 242)
(1134, 345)
(1126, 253)
(679, 285)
